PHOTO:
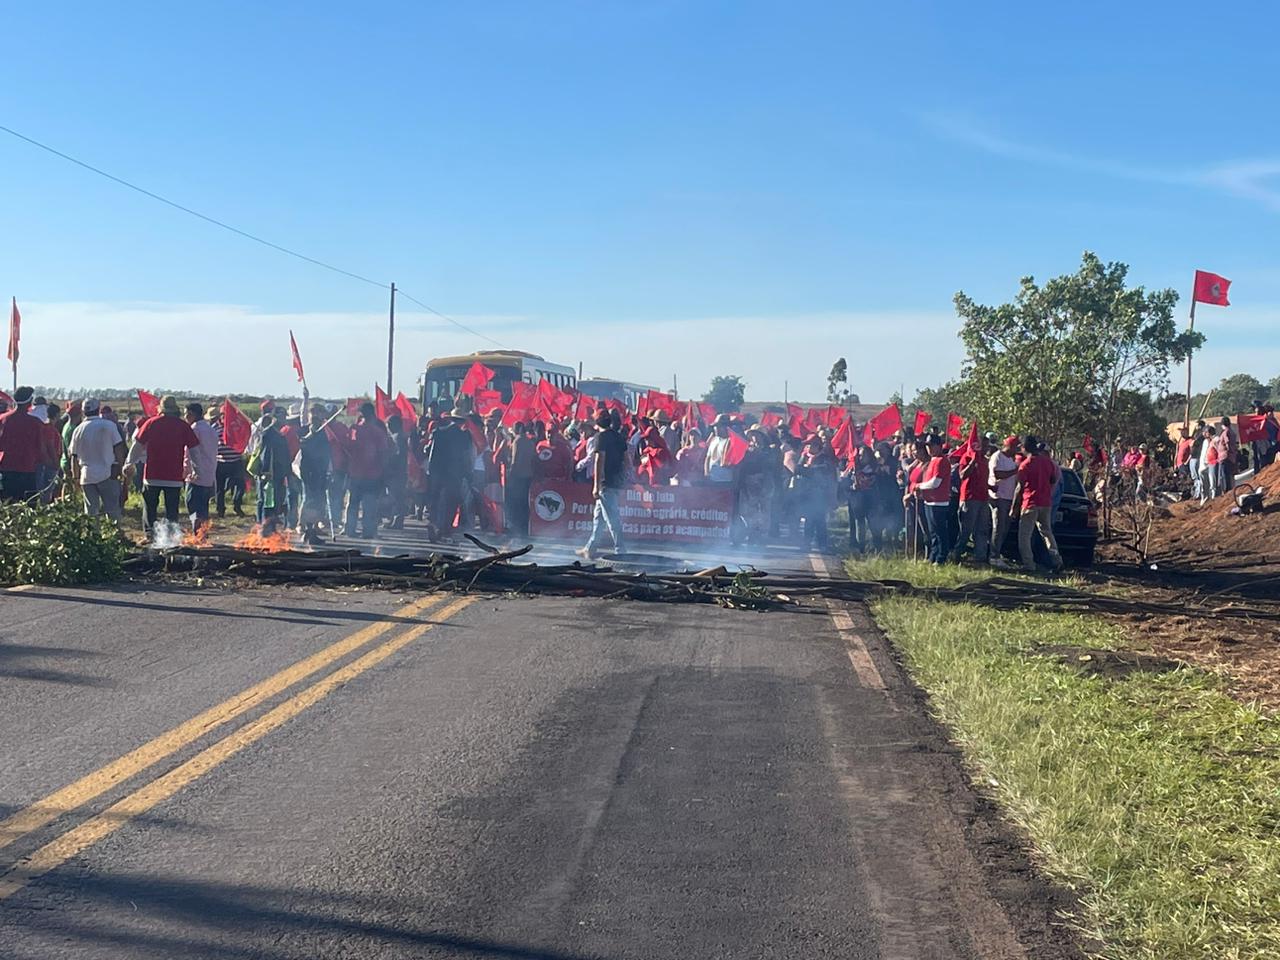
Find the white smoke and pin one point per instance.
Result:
(166, 534)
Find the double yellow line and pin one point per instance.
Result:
(49, 808)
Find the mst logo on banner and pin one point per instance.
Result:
(562, 509)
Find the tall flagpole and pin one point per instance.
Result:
(1186, 416)
(391, 338)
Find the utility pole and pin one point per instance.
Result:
(786, 396)
(1191, 326)
(675, 389)
(391, 338)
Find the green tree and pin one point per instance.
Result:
(1234, 394)
(838, 383)
(1273, 390)
(726, 393)
(938, 402)
(1056, 359)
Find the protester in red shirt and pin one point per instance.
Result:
(691, 458)
(23, 448)
(166, 437)
(656, 465)
(934, 491)
(368, 453)
(1037, 477)
(975, 502)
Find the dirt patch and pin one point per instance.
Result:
(1110, 664)
(1212, 530)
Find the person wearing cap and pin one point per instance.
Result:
(166, 439)
(1002, 480)
(1038, 476)
(935, 493)
(75, 416)
(23, 447)
(717, 471)
(450, 455)
(96, 451)
(975, 503)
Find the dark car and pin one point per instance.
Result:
(1075, 526)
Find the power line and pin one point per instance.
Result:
(237, 231)
(442, 316)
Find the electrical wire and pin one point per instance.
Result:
(241, 233)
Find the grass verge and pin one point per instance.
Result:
(1156, 796)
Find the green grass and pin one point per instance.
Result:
(1157, 797)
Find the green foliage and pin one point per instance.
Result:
(1153, 795)
(1056, 359)
(939, 401)
(57, 544)
(838, 382)
(726, 393)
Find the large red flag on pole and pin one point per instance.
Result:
(922, 422)
(955, 426)
(236, 427)
(15, 334)
(382, 404)
(477, 378)
(737, 449)
(297, 360)
(404, 407)
(150, 404)
(1211, 288)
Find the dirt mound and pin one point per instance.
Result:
(1212, 530)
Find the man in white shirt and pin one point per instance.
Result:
(1003, 479)
(201, 466)
(97, 452)
(717, 450)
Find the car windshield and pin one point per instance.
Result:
(1071, 483)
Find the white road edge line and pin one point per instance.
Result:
(864, 667)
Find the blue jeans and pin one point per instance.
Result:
(198, 505)
(606, 515)
(937, 519)
(365, 497)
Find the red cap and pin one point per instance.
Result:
(1011, 440)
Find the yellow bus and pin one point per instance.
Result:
(444, 375)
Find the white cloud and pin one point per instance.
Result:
(218, 348)
(1256, 180)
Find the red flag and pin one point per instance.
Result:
(150, 404)
(737, 449)
(769, 420)
(1251, 427)
(971, 445)
(886, 423)
(404, 407)
(842, 443)
(834, 416)
(382, 405)
(813, 419)
(477, 378)
(660, 401)
(706, 412)
(353, 406)
(6, 398)
(922, 422)
(15, 333)
(955, 426)
(297, 360)
(586, 408)
(523, 405)
(558, 403)
(487, 401)
(1211, 288)
(236, 427)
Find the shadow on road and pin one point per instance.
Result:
(25, 651)
(230, 921)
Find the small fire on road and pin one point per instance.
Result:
(278, 541)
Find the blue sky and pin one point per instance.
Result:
(650, 188)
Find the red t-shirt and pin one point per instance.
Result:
(1037, 475)
(940, 469)
(22, 442)
(914, 477)
(166, 438)
(973, 487)
(292, 439)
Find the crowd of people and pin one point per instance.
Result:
(321, 471)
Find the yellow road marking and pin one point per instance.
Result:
(66, 846)
(49, 808)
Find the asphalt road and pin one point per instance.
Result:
(306, 774)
